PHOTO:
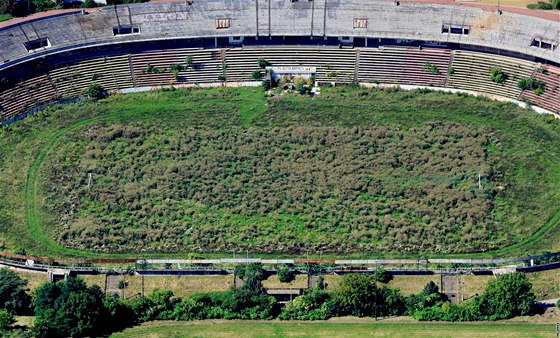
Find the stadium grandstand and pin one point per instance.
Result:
(444, 45)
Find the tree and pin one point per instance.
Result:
(13, 292)
(321, 285)
(118, 314)
(285, 275)
(508, 296)
(68, 309)
(7, 6)
(89, 4)
(356, 295)
(95, 91)
(252, 278)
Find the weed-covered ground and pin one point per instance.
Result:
(352, 171)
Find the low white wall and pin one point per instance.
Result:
(457, 91)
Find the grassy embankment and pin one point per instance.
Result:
(336, 329)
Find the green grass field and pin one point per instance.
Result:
(335, 329)
(4, 17)
(45, 159)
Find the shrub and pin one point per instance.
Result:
(122, 285)
(256, 75)
(381, 275)
(117, 314)
(537, 86)
(432, 68)
(262, 63)
(285, 275)
(6, 320)
(95, 91)
(312, 305)
(542, 5)
(497, 75)
(154, 70)
(89, 4)
(189, 61)
(303, 89)
(266, 84)
(234, 304)
(430, 288)
(189, 309)
(451, 71)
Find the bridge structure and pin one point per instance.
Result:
(226, 265)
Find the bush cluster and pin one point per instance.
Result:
(537, 86)
(505, 297)
(432, 68)
(69, 308)
(497, 75)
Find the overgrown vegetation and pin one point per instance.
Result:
(256, 75)
(250, 176)
(531, 83)
(545, 5)
(95, 91)
(432, 68)
(505, 297)
(69, 308)
(262, 63)
(497, 75)
(285, 274)
(343, 170)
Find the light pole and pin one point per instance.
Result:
(375, 301)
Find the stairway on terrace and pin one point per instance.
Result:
(25, 95)
(206, 66)
(550, 99)
(111, 72)
(472, 71)
(332, 64)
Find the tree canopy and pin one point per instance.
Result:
(68, 309)
(508, 296)
(13, 292)
(356, 295)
